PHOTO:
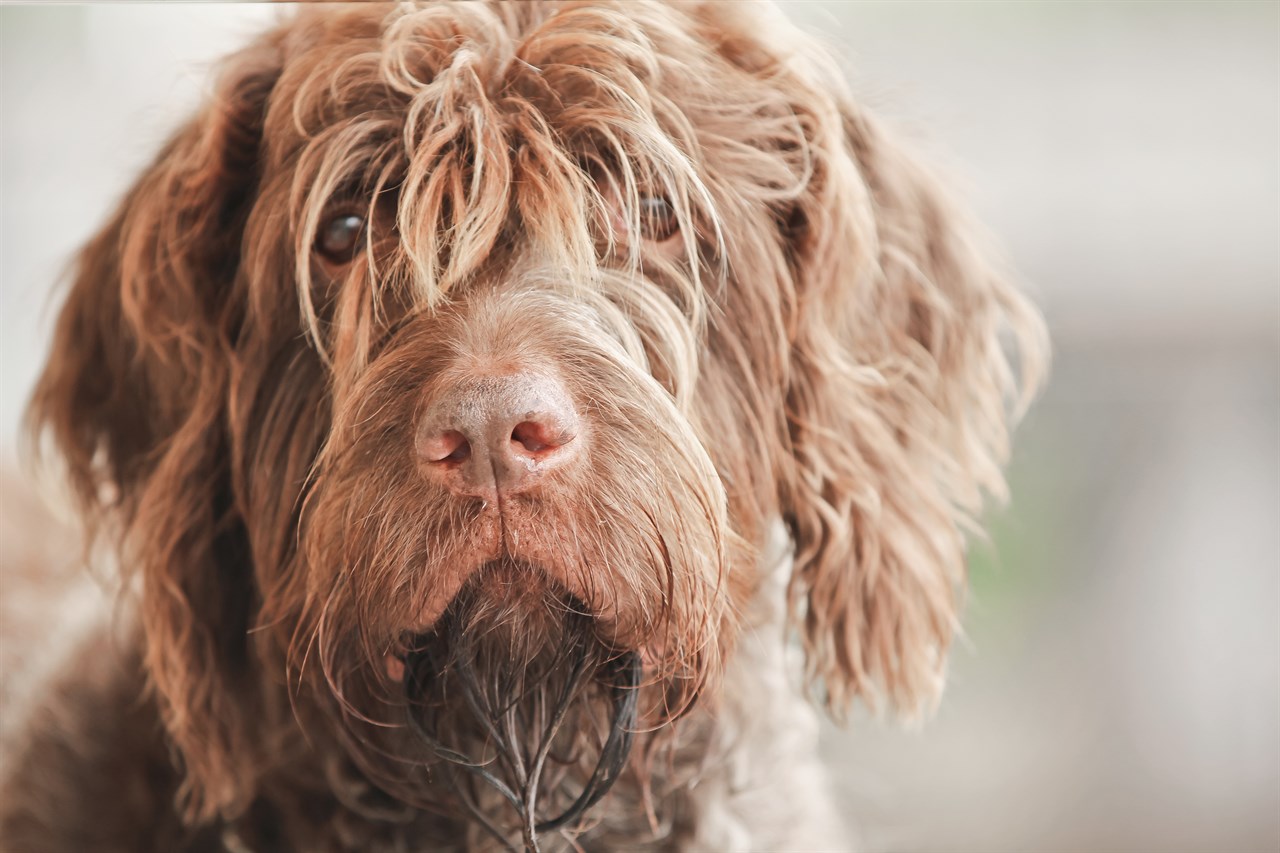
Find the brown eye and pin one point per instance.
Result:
(658, 220)
(341, 238)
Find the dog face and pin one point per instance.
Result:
(516, 327)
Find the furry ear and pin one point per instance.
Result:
(134, 398)
(899, 404)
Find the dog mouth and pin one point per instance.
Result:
(529, 714)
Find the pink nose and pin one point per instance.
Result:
(498, 434)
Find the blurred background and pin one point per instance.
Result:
(1117, 687)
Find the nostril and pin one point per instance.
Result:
(449, 446)
(538, 438)
(486, 435)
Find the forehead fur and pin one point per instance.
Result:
(486, 126)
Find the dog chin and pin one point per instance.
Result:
(516, 672)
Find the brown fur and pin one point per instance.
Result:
(820, 344)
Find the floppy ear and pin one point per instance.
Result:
(899, 404)
(134, 398)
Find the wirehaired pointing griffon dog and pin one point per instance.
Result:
(476, 398)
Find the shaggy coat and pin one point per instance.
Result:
(767, 374)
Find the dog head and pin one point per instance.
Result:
(512, 329)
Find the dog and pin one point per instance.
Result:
(505, 420)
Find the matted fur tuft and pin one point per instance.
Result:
(816, 336)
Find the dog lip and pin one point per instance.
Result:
(506, 533)
(514, 567)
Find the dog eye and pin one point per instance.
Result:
(658, 220)
(341, 238)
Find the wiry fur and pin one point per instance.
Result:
(820, 344)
